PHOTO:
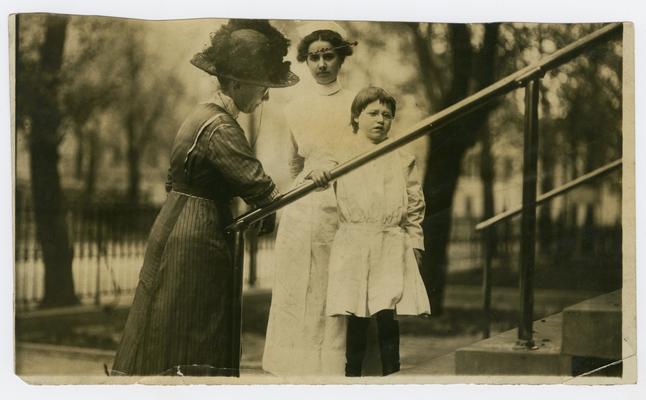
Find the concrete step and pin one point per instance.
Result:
(582, 338)
(593, 328)
(500, 355)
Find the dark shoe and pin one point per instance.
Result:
(356, 343)
(390, 368)
(388, 342)
(352, 370)
(390, 358)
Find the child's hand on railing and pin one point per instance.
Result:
(320, 177)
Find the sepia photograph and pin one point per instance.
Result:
(261, 201)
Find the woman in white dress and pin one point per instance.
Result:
(301, 339)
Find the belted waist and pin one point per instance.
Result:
(201, 193)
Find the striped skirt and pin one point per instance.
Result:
(180, 320)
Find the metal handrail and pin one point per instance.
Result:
(527, 77)
(503, 216)
(440, 119)
(530, 200)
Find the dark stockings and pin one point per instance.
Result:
(388, 332)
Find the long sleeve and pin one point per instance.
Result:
(296, 161)
(326, 159)
(416, 206)
(233, 157)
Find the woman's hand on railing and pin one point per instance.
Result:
(321, 178)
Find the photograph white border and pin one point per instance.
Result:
(399, 10)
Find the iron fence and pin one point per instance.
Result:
(109, 241)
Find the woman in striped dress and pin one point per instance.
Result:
(180, 322)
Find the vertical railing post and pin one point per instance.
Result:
(252, 241)
(528, 216)
(486, 283)
(238, 267)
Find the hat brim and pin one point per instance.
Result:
(200, 62)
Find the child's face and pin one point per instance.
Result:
(374, 121)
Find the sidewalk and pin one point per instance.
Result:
(419, 356)
(424, 351)
(44, 359)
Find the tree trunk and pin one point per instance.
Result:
(544, 226)
(439, 186)
(544, 223)
(133, 175)
(78, 167)
(487, 176)
(48, 202)
(132, 158)
(90, 175)
(446, 151)
(485, 74)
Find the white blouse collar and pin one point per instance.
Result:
(329, 89)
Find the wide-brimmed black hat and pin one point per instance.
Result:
(248, 51)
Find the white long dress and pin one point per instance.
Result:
(372, 264)
(301, 339)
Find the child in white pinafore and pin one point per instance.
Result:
(374, 262)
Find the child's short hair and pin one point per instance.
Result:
(367, 96)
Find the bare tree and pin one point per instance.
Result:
(38, 84)
(467, 70)
(145, 105)
(83, 102)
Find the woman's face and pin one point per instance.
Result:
(247, 97)
(374, 121)
(324, 64)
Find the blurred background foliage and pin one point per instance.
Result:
(98, 125)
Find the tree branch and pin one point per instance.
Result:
(429, 72)
(149, 122)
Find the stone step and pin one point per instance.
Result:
(584, 337)
(592, 328)
(500, 355)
